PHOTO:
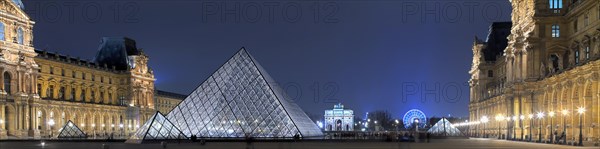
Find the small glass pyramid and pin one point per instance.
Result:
(70, 130)
(444, 128)
(156, 128)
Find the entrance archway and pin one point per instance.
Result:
(338, 125)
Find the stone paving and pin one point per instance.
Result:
(445, 144)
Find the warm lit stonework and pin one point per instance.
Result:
(549, 63)
(41, 90)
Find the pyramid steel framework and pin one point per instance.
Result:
(241, 100)
(156, 128)
(70, 130)
(444, 128)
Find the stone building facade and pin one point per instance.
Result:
(545, 62)
(41, 91)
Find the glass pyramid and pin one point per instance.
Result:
(444, 128)
(240, 99)
(156, 128)
(70, 130)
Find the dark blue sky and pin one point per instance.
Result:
(367, 54)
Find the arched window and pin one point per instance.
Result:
(7, 82)
(2, 31)
(20, 35)
(554, 59)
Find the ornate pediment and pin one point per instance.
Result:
(11, 8)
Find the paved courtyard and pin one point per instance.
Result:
(445, 144)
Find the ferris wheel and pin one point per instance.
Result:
(414, 116)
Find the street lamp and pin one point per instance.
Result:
(499, 119)
(51, 123)
(507, 118)
(522, 117)
(397, 123)
(514, 119)
(530, 126)
(551, 126)
(417, 125)
(540, 115)
(484, 120)
(121, 126)
(580, 110)
(564, 112)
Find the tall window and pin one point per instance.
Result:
(555, 5)
(490, 73)
(50, 91)
(7, 82)
(20, 35)
(1, 31)
(575, 25)
(555, 31)
(587, 53)
(72, 95)
(576, 56)
(82, 94)
(61, 93)
(586, 19)
(39, 88)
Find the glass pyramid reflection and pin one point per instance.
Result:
(240, 99)
(156, 128)
(444, 128)
(70, 130)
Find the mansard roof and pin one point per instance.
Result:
(497, 40)
(170, 94)
(115, 51)
(44, 54)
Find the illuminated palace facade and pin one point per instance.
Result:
(539, 71)
(41, 91)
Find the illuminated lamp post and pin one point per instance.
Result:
(514, 119)
(540, 115)
(499, 119)
(417, 125)
(484, 120)
(530, 126)
(565, 112)
(551, 114)
(521, 125)
(580, 110)
(507, 118)
(51, 123)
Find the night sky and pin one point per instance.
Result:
(367, 54)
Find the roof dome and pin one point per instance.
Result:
(19, 3)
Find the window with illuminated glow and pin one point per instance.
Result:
(555, 31)
(555, 5)
(1, 31)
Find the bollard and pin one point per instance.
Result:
(104, 146)
(163, 144)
